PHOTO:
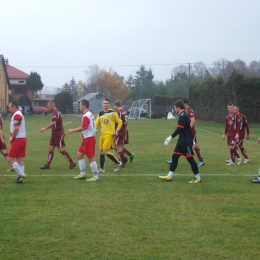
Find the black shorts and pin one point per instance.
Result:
(185, 151)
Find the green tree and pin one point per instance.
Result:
(24, 100)
(64, 102)
(34, 83)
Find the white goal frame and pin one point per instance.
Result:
(142, 105)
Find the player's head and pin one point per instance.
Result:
(236, 109)
(13, 106)
(185, 102)
(178, 106)
(106, 103)
(51, 105)
(117, 103)
(83, 104)
(230, 107)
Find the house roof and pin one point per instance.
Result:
(14, 73)
(5, 70)
(90, 96)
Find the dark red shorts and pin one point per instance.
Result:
(57, 139)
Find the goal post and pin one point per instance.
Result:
(140, 109)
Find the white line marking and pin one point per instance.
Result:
(67, 123)
(132, 175)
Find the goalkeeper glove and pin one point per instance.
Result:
(167, 140)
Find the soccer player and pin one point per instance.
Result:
(108, 118)
(184, 144)
(2, 139)
(257, 179)
(122, 137)
(17, 141)
(88, 142)
(243, 125)
(232, 132)
(57, 136)
(191, 115)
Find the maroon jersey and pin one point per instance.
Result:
(232, 124)
(123, 116)
(190, 113)
(243, 125)
(56, 116)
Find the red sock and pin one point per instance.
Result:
(50, 157)
(243, 151)
(67, 156)
(236, 153)
(127, 152)
(199, 154)
(6, 156)
(121, 156)
(232, 155)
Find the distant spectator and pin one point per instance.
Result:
(23, 108)
(30, 110)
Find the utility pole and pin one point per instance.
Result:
(189, 75)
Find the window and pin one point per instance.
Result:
(20, 90)
(21, 81)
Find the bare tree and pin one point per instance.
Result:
(179, 70)
(220, 67)
(254, 68)
(199, 69)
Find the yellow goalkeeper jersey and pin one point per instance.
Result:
(108, 120)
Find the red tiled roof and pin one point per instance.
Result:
(14, 73)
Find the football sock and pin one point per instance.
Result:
(22, 167)
(112, 157)
(50, 157)
(67, 156)
(236, 152)
(199, 154)
(243, 151)
(197, 176)
(127, 152)
(232, 156)
(94, 169)
(17, 168)
(170, 174)
(82, 167)
(102, 161)
(121, 156)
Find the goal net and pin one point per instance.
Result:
(140, 109)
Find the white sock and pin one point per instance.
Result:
(94, 169)
(170, 174)
(22, 167)
(18, 169)
(82, 167)
(197, 176)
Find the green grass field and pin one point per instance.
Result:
(131, 214)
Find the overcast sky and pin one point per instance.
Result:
(60, 39)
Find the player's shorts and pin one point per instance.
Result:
(231, 141)
(88, 146)
(185, 151)
(18, 148)
(240, 142)
(2, 145)
(106, 141)
(119, 140)
(57, 139)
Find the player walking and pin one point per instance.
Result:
(243, 125)
(17, 141)
(57, 136)
(108, 118)
(123, 136)
(88, 142)
(184, 144)
(232, 132)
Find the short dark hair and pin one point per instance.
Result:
(85, 103)
(179, 103)
(185, 101)
(107, 99)
(118, 103)
(14, 104)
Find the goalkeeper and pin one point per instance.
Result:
(184, 144)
